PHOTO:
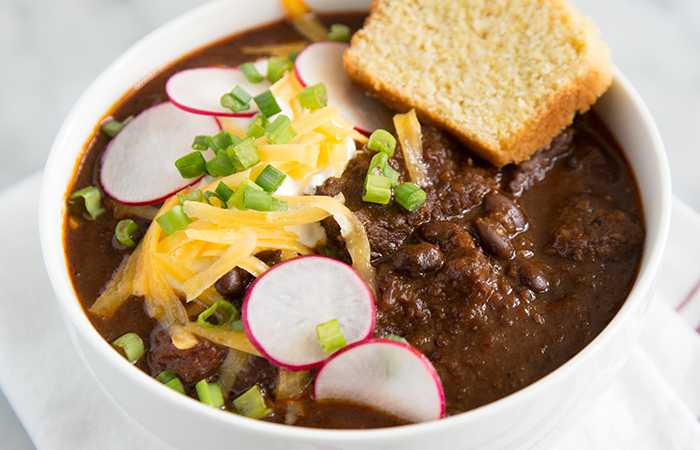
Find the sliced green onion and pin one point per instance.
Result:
(223, 140)
(267, 104)
(92, 199)
(377, 163)
(223, 191)
(391, 174)
(313, 97)
(112, 127)
(125, 232)
(244, 154)
(169, 379)
(279, 205)
(276, 68)
(251, 404)
(236, 325)
(236, 201)
(280, 131)
(382, 141)
(223, 309)
(173, 220)
(257, 200)
(202, 142)
(257, 128)
(219, 202)
(220, 165)
(210, 394)
(330, 337)
(191, 165)
(132, 345)
(196, 196)
(394, 337)
(270, 178)
(237, 100)
(293, 55)
(250, 72)
(410, 196)
(339, 33)
(377, 189)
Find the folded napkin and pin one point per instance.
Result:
(654, 404)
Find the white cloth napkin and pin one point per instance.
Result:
(654, 404)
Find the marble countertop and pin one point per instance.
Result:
(50, 50)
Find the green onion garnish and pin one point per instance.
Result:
(208, 196)
(250, 72)
(169, 379)
(92, 199)
(125, 232)
(382, 141)
(257, 200)
(251, 404)
(202, 142)
(394, 337)
(210, 394)
(191, 165)
(267, 104)
(377, 163)
(237, 100)
(236, 325)
(173, 220)
(244, 154)
(293, 55)
(339, 33)
(257, 128)
(196, 196)
(377, 189)
(132, 345)
(112, 127)
(223, 191)
(391, 174)
(236, 201)
(220, 165)
(280, 131)
(225, 312)
(276, 68)
(313, 97)
(279, 204)
(330, 337)
(410, 196)
(270, 178)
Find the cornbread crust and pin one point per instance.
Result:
(503, 76)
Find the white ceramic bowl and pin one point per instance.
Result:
(537, 414)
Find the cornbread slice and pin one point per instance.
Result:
(503, 76)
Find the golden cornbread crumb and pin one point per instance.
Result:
(504, 76)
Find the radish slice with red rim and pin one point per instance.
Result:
(384, 374)
(322, 62)
(199, 90)
(138, 164)
(283, 307)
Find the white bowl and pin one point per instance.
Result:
(536, 414)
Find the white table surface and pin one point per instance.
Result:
(50, 50)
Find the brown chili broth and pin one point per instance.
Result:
(93, 258)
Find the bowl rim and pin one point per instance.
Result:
(55, 185)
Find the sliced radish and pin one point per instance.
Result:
(386, 375)
(199, 90)
(322, 62)
(283, 307)
(138, 165)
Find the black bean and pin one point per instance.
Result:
(417, 259)
(506, 211)
(530, 274)
(493, 238)
(233, 283)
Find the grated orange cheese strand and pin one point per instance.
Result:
(253, 265)
(287, 87)
(181, 338)
(233, 218)
(195, 285)
(281, 152)
(351, 229)
(313, 120)
(117, 291)
(410, 137)
(223, 336)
